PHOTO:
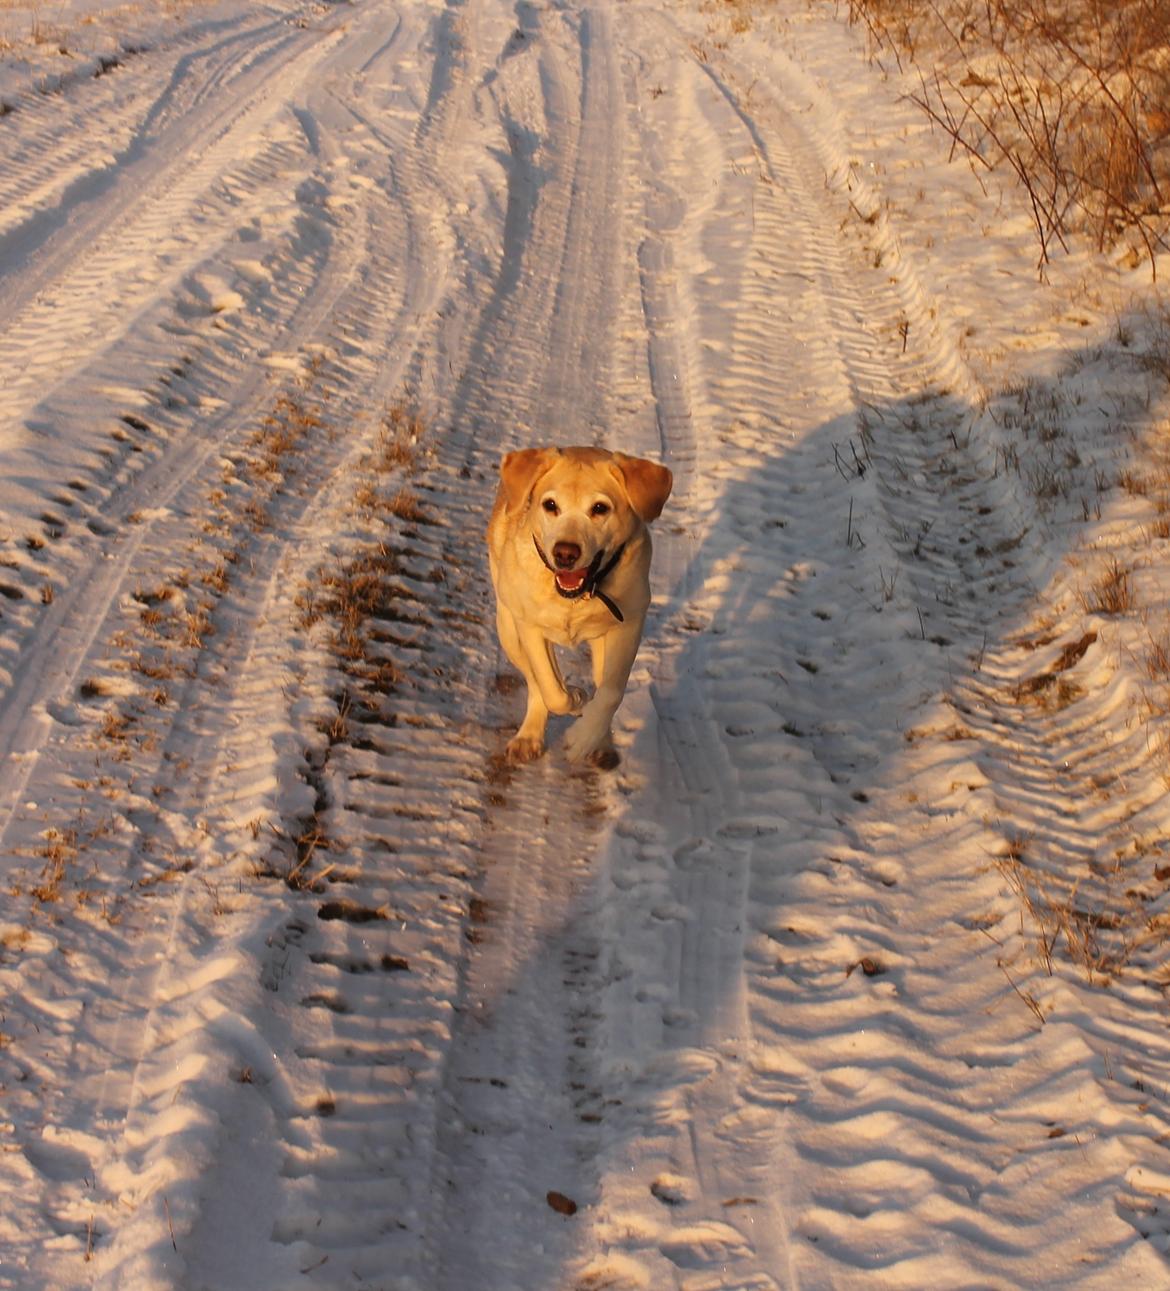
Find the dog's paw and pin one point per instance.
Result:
(523, 749)
(604, 759)
(585, 743)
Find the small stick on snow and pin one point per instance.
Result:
(1028, 999)
(851, 535)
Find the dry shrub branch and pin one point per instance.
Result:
(1073, 96)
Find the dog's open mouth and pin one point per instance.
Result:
(571, 582)
(574, 583)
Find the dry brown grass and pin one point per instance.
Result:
(152, 666)
(366, 496)
(406, 506)
(59, 850)
(361, 589)
(197, 625)
(1060, 918)
(400, 442)
(358, 600)
(1072, 96)
(366, 585)
(114, 727)
(1112, 592)
(290, 420)
(309, 841)
(1155, 664)
(1156, 659)
(1051, 689)
(155, 596)
(397, 455)
(218, 578)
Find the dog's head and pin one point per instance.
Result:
(582, 504)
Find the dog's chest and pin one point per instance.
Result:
(575, 621)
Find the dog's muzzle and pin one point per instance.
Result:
(573, 584)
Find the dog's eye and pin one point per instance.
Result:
(550, 506)
(599, 509)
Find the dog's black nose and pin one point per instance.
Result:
(566, 555)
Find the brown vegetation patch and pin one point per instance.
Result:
(1072, 96)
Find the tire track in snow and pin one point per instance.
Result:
(209, 785)
(794, 865)
(580, 340)
(116, 517)
(371, 1115)
(342, 1101)
(682, 1032)
(974, 539)
(347, 1176)
(828, 923)
(52, 162)
(209, 393)
(557, 103)
(520, 1101)
(130, 246)
(1080, 811)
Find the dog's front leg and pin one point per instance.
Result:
(533, 656)
(545, 671)
(528, 742)
(590, 738)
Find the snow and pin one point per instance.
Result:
(852, 973)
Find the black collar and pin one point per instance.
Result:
(594, 577)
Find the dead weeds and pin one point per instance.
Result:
(1112, 593)
(1072, 96)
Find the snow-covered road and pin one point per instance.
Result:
(852, 974)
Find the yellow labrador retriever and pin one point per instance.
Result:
(570, 562)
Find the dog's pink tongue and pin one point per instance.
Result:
(571, 579)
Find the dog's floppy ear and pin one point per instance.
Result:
(647, 484)
(518, 471)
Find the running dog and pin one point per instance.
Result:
(569, 550)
